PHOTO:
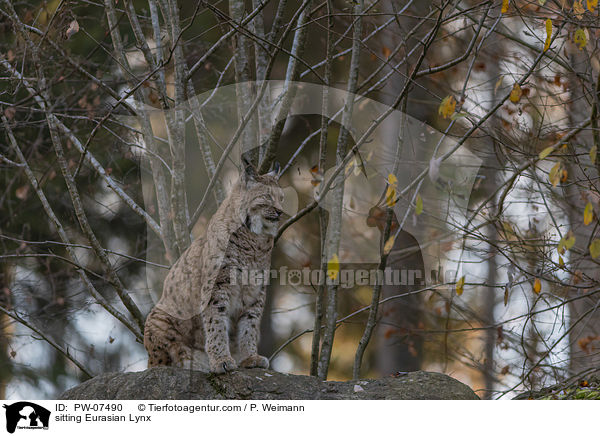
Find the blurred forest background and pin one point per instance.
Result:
(110, 165)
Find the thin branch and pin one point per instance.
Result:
(52, 343)
(63, 235)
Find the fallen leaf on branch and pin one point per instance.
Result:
(72, 30)
(460, 285)
(548, 34)
(588, 213)
(333, 267)
(516, 93)
(447, 107)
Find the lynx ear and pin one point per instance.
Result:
(249, 172)
(275, 172)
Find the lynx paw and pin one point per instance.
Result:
(255, 361)
(223, 365)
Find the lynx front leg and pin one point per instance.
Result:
(216, 328)
(247, 338)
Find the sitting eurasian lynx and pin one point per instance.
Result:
(204, 319)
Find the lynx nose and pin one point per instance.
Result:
(273, 214)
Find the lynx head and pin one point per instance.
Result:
(262, 199)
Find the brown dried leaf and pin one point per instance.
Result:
(22, 192)
(9, 113)
(584, 343)
(73, 29)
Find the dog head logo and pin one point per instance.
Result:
(26, 415)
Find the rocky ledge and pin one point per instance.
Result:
(165, 383)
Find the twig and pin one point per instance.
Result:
(53, 344)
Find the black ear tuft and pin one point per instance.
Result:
(249, 172)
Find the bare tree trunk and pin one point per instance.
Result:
(323, 215)
(399, 346)
(337, 196)
(245, 89)
(489, 303)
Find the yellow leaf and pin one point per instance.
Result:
(593, 152)
(595, 248)
(389, 244)
(588, 214)
(460, 284)
(516, 93)
(504, 6)
(390, 193)
(537, 286)
(561, 262)
(592, 5)
(390, 196)
(333, 267)
(546, 152)
(554, 175)
(581, 38)
(349, 167)
(548, 34)
(419, 205)
(447, 107)
(578, 9)
(570, 240)
(566, 242)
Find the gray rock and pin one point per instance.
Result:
(166, 383)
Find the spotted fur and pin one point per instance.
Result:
(204, 319)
